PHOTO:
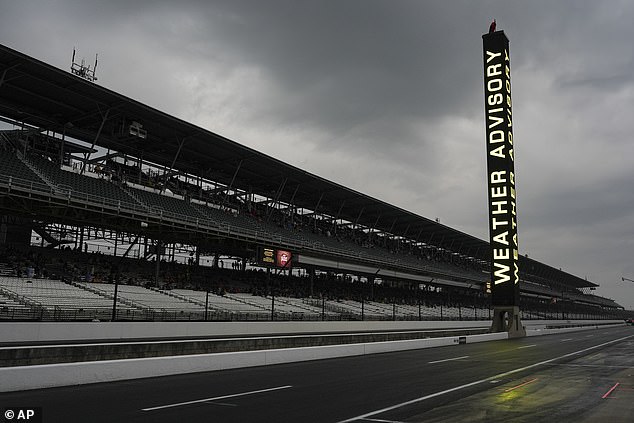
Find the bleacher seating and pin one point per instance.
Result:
(80, 184)
(52, 293)
(223, 303)
(146, 298)
(12, 166)
(228, 219)
(300, 305)
(282, 305)
(164, 202)
(83, 185)
(81, 300)
(11, 309)
(57, 299)
(268, 224)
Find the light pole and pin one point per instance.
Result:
(623, 278)
(114, 299)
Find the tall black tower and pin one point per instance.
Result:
(505, 289)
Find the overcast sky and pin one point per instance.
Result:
(387, 97)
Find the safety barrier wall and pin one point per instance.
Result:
(64, 374)
(26, 332)
(50, 375)
(23, 332)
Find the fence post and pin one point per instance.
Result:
(206, 304)
(323, 308)
(362, 309)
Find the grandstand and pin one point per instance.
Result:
(89, 206)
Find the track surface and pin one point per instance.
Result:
(583, 376)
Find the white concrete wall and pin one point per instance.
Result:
(64, 374)
(26, 332)
(83, 331)
(538, 330)
(50, 375)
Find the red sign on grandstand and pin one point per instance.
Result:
(273, 257)
(283, 258)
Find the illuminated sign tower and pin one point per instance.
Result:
(505, 288)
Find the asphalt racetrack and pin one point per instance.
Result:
(584, 376)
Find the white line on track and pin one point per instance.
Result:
(527, 346)
(216, 398)
(596, 366)
(567, 339)
(477, 382)
(448, 359)
(381, 421)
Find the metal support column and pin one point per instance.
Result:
(92, 146)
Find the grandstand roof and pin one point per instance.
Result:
(46, 97)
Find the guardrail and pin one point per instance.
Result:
(54, 313)
(79, 314)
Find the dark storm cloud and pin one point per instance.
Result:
(582, 207)
(345, 66)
